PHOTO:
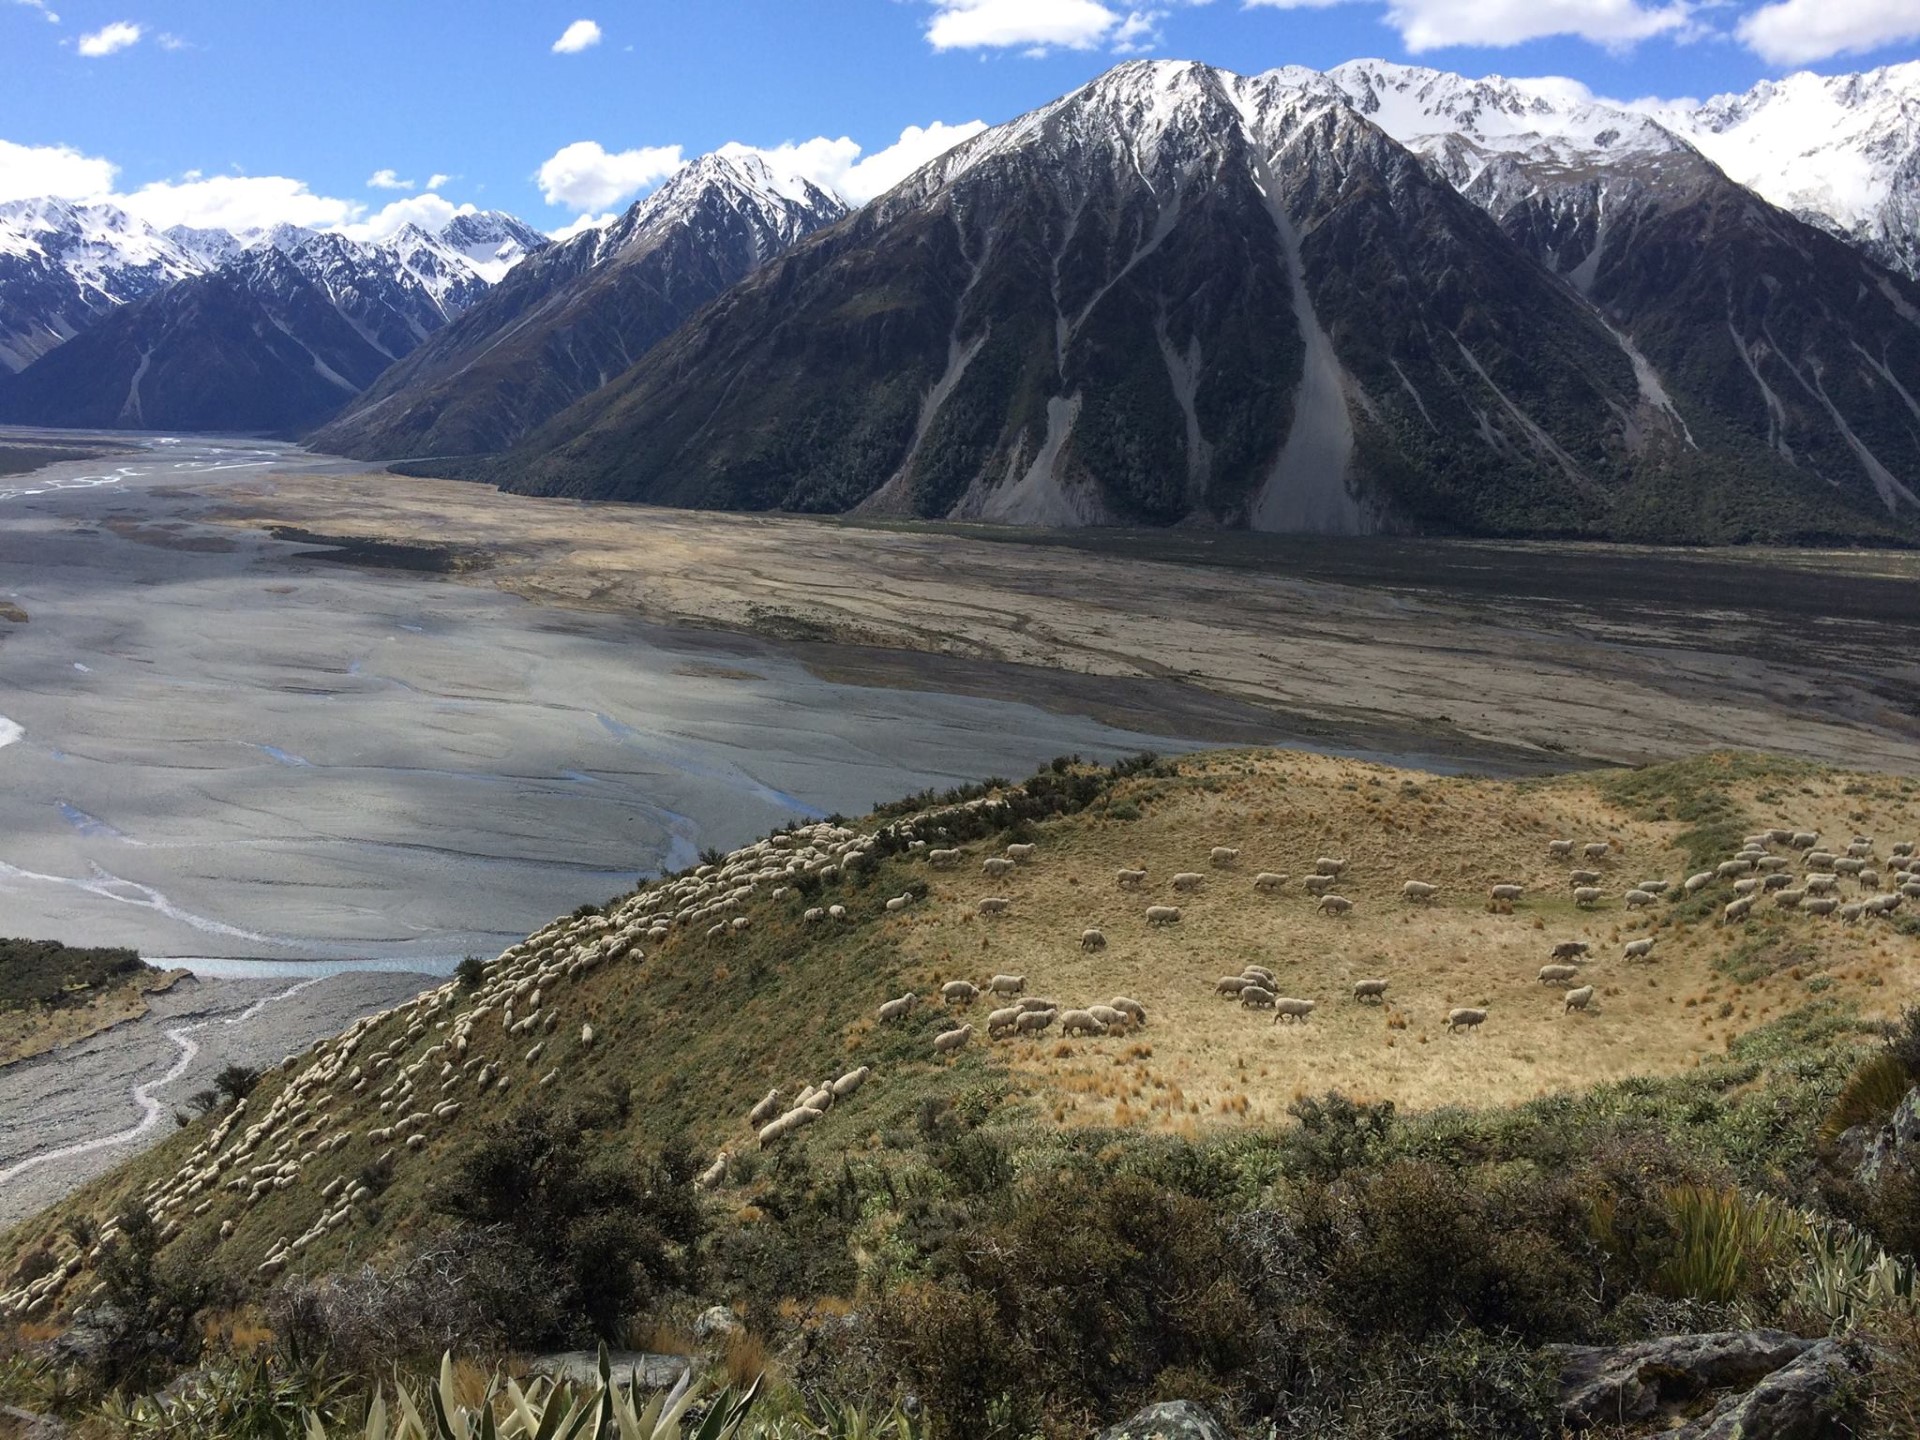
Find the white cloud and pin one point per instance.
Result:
(436, 180)
(1436, 24)
(836, 166)
(171, 42)
(42, 7)
(1029, 24)
(110, 39)
(237, 202)
(586, 176)
(580, 35)
(30, 171)
(1796, 32)
(388, 180)
(582, 223)
(430, 212)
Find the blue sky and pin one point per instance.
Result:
(253, 110)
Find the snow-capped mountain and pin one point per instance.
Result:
(64, 264)
(573, 316)
(1182, 295)
(1842, 150)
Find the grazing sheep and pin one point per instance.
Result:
(1320, 884)
(1163, 914)
(1852, 911)
(995, 865)
(962, 992)
(1789, 899)
(1860, 849)
(944, 859)
(837, 912)
(1583, 877)
(1040, 1002)
(897, 1009)
(1554, 974)
(1130, 879)
(1326, 866)
(1726, 869)
(1587, 896)
(1021, 853)
(1639, 949)
(1132, 1009)
(1418, 890)
(1230, 984)
(947, 1041)
(1034, 1021)
(1260, 973)
(1748, 885)
(711, 1177)
(1007, 984)
(1577, 999)
(1507, 893)
(1266, 882)
(1869, 879)
(1571, 949)
(742, 922)
(1188, 880)
(1370, 990)
(1000, 1022)
(1696, 883)
(1294, 1011)
(1901, 849)
(1335, 905)
(1560, 849)
(1821, 884)
(768, 1107)
(994, 905)
(586, 1036)
(1109, 1017)
(1657, 887)
(1092, 940)
(850, 1082)
(1223, 855)
(899, 902)
(1464, 1018)
(1638, 899)
(1777, 882)
(1598, 850)
(1822, 905)
(1736, 910)
(1257, 997)
(1821, 860)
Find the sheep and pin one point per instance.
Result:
(1860, 849)
(1001, 1021)
(1696, 883)
(1849, 867)
(1727, 869)
(898, 903)
(1583, 877)
(948, 1041)
(1587, 896)
(711, 1177)
(1869, 879)
(1852, 911)
(1223, 856)
(1111, 1018)
(1822, 905)
(1034, 1021)
(994, 905)
(1577, 999)
(1335, 905)
(943, 859)
(1653, 887)
(1777, 882)
(1007, 984)
(1637, 899)
(1295, 1011)
(1901, 849)
(1163, 914)
(1267, 882)
(1260, 973)
(1560, 849)
(1554, 974)
(1774, 864)
(1130, 879)
(1132, 1009)
(1418, 890)
(850, 1082)
(1039, 1002)
(961, 992)
(1370, 990)
(1598, 850)
(1092, 940)
(1748, 885)
(768, 1107)
(1789, 899)
(1639, 949)
(995, 865)
(1506, 894)
(1320, 884)
(897, 1009)
(1465, 1018)
(1257, 997)
(1571, 949)
(742, 922)
(586, 1036)
(1230, 984)
(837, 912)
(1020, 854)
(1821, 884)
(1736, 910)
(1188, 880)
(1326, 866)
(1820, 860)
(815, 914)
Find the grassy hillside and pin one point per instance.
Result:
(1754, 1027)
(51, 994)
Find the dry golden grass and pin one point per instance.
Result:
(1203, 1059)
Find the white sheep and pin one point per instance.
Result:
(1223, 856)
(947, 1041)
(960, 992)
(1021, 853)
(711, 1177)
(1506, 894)
(1583, 877)
(1292, 1010)
(1598, 850)
(897, 1009)
(1130, 879)
(1736, 910)
(1370, 990)
(1587, 896)
(1748, 885)
(995, 865)
(943, 858)
(1335, 905)
(1257, 997)
(837, 912)
(897, 903)
(1001, 1021)
(1039, 1002)
(1267, 882)
(1820, 905)
(1639, 899)
(768, 1107)
(1007, 984)
(850, 1082)
(1578, 999)
(1696, 883)
(1554, 974)
(1789, 899)
(1163, 915)
(1188, 880)
(1092, 940)
(994, 905)
(586, 1036)
(1418, 890)
(1132, 1009)
(1326, 865)
(1081, 1022)
(1639, 949)
(1571, 949)
(1230, 984)
(1821, 884)
(1465, 1018)
(1114, 1020)
(1560, 849)
(1261, 973)
(1034, 1021)
(1320, 884)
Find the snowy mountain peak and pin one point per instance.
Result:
(778, 209)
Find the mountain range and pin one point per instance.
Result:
(1378, 297)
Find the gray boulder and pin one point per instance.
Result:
(1896, 1145)
(1803, 1400)
(1169, 1420)
(1615, 1384)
